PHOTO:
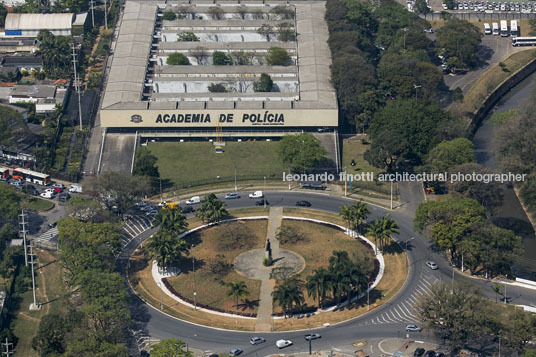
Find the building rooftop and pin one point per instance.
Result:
(38, 21)
(15, 61)
(34, 91)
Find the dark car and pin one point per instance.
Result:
(439, 354)
(261, 202)
(303, 204)
(429, 353)
(418, 352)
(187, 209)
(52, 225)
(64, 196)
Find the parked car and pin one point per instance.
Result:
(261, 202)
(429, 353)
(432, 265)
(413, 328)
(64, 197)
(256, 194)
(303, 203)
(193, 200)
(53, 224)
(75, 188)
(232, 196)
(57, 189)
(439, 354)
(58, 185)
(312, 336)
(187, 209)
(49, 195)
(418, 352)
(283, 343)
(235, 352)
(256, 340)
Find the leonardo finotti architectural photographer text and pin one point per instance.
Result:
(406, 176)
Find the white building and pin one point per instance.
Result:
(29, 25)
(45, 97)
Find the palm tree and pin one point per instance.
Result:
(346, 215)
(212, 209)
(236, 290)
(167, 249)
(358, 281)
(288, 294)
(319, 284)
(388, 228)
(171, 220)
(375, 231)
(360, 213)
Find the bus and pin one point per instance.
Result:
(4, 173)
(513, 28)
(31, 176)
(504, 28)
(495, 28)
(523, 41)
(487, 29)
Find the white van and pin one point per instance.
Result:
(75, 188)
(193, 200)
(495, 28)
(256, 194)
(487, 29)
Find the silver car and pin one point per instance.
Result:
(256, 340)
(432, 265)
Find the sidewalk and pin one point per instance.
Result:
(406, 347)
(264, 312)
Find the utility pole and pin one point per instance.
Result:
(7, 345)
(345, 181)
(106, 14)
(235, 187)
(23, 224)
(92, 3)
(391, 194)
(34, 305)
(193, 279)
(264, 193)
(416, 87)
(77, 84)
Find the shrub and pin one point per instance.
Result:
(169, 15)
(288, 235)
(278, 56)
(187, 37)
(217, 88)
(264, 84)
(177, 59)
(221, 59)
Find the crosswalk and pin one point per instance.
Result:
(133, 227)
(48, 236)
(404, 311)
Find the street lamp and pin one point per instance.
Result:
(405, 29)
(416, 87)
(193, 279)
(368, 295)
(160, 286)
(264, 190)
(235, 187)
(407, 256)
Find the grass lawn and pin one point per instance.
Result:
(317, 247)
(209, 290)
(36, 204)
(48, 289)
(354, 149)
(197, 162)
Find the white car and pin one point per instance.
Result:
(48, 195)
(256, 340)
(193, 200)
(256, 194)
(283, 343)
(432, 265)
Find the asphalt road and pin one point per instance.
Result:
(375, 324)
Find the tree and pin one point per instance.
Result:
(200, 54)
(421, 7)
(3, 14)
(13, 127)
(319, 284)
(457, 312)
(86, 246)
(217, 88)
(520, 329)
(55, 51)
(167, 249)
(212, 209)
(267, 31)
(145, 163)
(88, 210)
(118, 188)
(264, 84)
(187, 37)
(171, 220)
(169, 15)
(221, 59)
(355, 215)
(288, 294)
(242, 58)
(413, 120)
(170, 348)
(460, 39)
(382, 230)
(285, 32)
(457, 95)
(236, 290)
(50, 339)
(488, 194)
(301, 152)
(177, 59)
(278, 56)
(282, 12)
(450, 153)
(216, 13)
(386, 151)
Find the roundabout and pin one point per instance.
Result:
(164, 324)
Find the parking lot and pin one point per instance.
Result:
(492, 6)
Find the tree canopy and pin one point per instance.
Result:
(177, 59)
(448, 154)
(301, 152)
(460, 39)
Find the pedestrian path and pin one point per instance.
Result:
(133, 227)
(264, 312)
(405, 312)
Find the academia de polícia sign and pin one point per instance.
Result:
(266, 118)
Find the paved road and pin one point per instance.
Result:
(386, 321)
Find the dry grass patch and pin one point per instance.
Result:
(220, 243)
(142, 281)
